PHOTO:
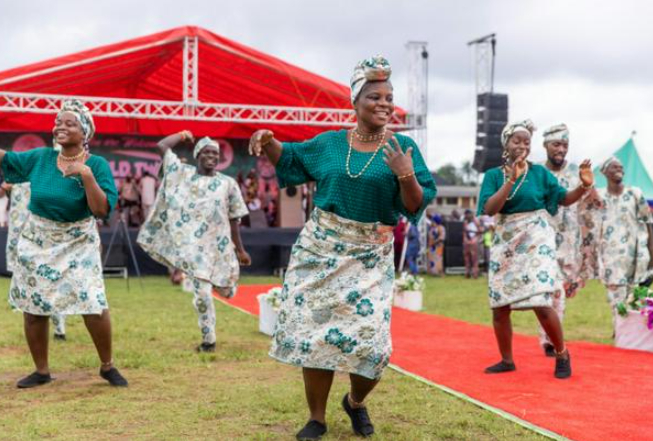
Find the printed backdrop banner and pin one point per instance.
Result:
(132, 155)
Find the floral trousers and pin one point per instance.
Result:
(205, 308)
(59, 323)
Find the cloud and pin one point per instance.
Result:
(584, 62)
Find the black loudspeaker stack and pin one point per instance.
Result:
(453, 245)
(492, 117)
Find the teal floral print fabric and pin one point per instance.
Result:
(523, 269)
(337, 297)
(567, 225)
(18, 215)
(58, 269)
(623, 237)
(188, 227)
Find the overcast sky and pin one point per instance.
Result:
(586, 63)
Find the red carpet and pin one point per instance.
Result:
(609, 397)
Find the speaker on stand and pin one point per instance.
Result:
(492, 117)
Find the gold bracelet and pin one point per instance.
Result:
(401, 178)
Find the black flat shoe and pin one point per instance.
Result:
(500, 368)
(563, 367)
(60, 337)
(360, 419)
(313, 430)
(206, 347)
(114, 377)
(34, 379)
(549, 350)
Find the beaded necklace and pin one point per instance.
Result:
(369, 137)
(64, 161)
(351, 147)
(518, 185)
(71, 158)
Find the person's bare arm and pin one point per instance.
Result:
(243, 257)
(95, 196)
(171, 141)
(401, 164)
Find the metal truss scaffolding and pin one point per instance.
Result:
(179, 110)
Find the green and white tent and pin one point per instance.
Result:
(635, 173)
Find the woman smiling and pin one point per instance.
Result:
(337, 293)
(58, 270)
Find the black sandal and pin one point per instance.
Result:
(360, 419)
(313, 430)
(500, 368)
(34, 379)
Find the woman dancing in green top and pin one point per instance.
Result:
(523, 268)
(337, 293)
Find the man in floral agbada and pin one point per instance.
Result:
(567, 224)
(194, 226)
(625, 235)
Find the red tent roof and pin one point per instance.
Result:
(151, 68)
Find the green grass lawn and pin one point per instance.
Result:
(587, 318)
(238, 393)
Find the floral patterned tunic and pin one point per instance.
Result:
(570, 224)
(623, 237)
(189, 228)
(18, 215)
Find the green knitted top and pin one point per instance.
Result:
(53, 196)
(373, 197)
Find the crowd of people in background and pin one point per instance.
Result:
(475, 242)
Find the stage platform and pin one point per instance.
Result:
(269, 248)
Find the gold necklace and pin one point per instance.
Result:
(518, 185)
(351, 147)
(369, 137)
(62, 164)
(71, 158)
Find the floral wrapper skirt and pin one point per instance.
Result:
(337, 297)
(58, 268)
(523, 270)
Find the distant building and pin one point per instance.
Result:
(453, 197)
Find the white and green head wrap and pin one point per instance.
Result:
(82, 114)
(559, 132)
(611, 160)
(371, 69)
(521, 126)
(202, 144)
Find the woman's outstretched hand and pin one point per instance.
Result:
(259, 139)
(585, 173)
